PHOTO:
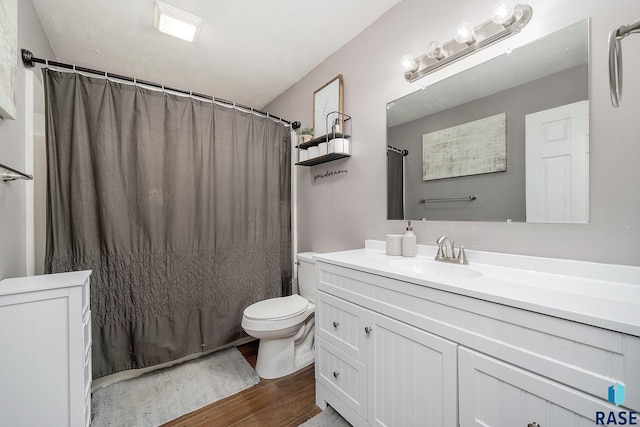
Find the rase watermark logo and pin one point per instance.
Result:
(615, 395)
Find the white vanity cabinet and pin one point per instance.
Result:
(438, 358)
(382, 370)
(45, 359)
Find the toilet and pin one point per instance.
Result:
(285, 325)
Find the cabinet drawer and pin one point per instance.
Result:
(86, 332)
(85, 297)
(342, 375)
(87, 412)
(87, 374)
(496, 394)
(341, 323)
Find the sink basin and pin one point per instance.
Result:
(433, 268)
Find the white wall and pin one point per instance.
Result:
(12, 150)
(340, 212)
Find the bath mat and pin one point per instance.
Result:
(327, 418)
(161, 396)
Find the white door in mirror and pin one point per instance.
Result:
(557, 164)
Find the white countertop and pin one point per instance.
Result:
(602, 295)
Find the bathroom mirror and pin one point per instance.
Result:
(542, 89)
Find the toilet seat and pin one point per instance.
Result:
(277, 314)
(277, 308)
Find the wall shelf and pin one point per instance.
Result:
(323, 159)
(323, 138)
(329, 151)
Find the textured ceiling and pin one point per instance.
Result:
(248, 51)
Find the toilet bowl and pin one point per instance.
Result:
(285, 326)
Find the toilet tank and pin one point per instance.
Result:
(307, 275)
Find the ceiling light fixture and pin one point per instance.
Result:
(506, 21)
(176, 22)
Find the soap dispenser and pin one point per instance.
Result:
(409, 242)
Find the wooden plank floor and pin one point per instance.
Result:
(283, 402)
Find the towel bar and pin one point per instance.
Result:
(11, 174)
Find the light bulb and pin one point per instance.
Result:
(435, 50)
(409, 63)
(503, 12)
(465, 33)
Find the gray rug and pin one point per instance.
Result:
(327, 418)
(161, 396)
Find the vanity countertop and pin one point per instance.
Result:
(603, 295)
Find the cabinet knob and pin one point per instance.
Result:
(533, 424)
(368, 329)
(335, 324)
(336, 373)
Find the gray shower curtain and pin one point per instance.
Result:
(395, 185)
(180, 207)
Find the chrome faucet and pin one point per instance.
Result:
(447, 252)
(445, 247)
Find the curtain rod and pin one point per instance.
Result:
(30, 61)
(398, 150)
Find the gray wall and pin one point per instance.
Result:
(12, 195)
(340, 212)
(501, 195)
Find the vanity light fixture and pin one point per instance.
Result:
(506, 21)
(435, 50)
(503, 12)
(409, 63)
(465, 33)
(175, 22)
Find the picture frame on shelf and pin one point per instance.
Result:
(328, 98)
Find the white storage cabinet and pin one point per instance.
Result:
(45, 361)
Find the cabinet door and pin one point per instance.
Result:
(497, 394)
(412, 376)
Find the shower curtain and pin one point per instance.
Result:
(180, 207)
(395, 185)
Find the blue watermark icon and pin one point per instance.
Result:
(616, 394)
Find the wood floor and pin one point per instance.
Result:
(283, 402)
